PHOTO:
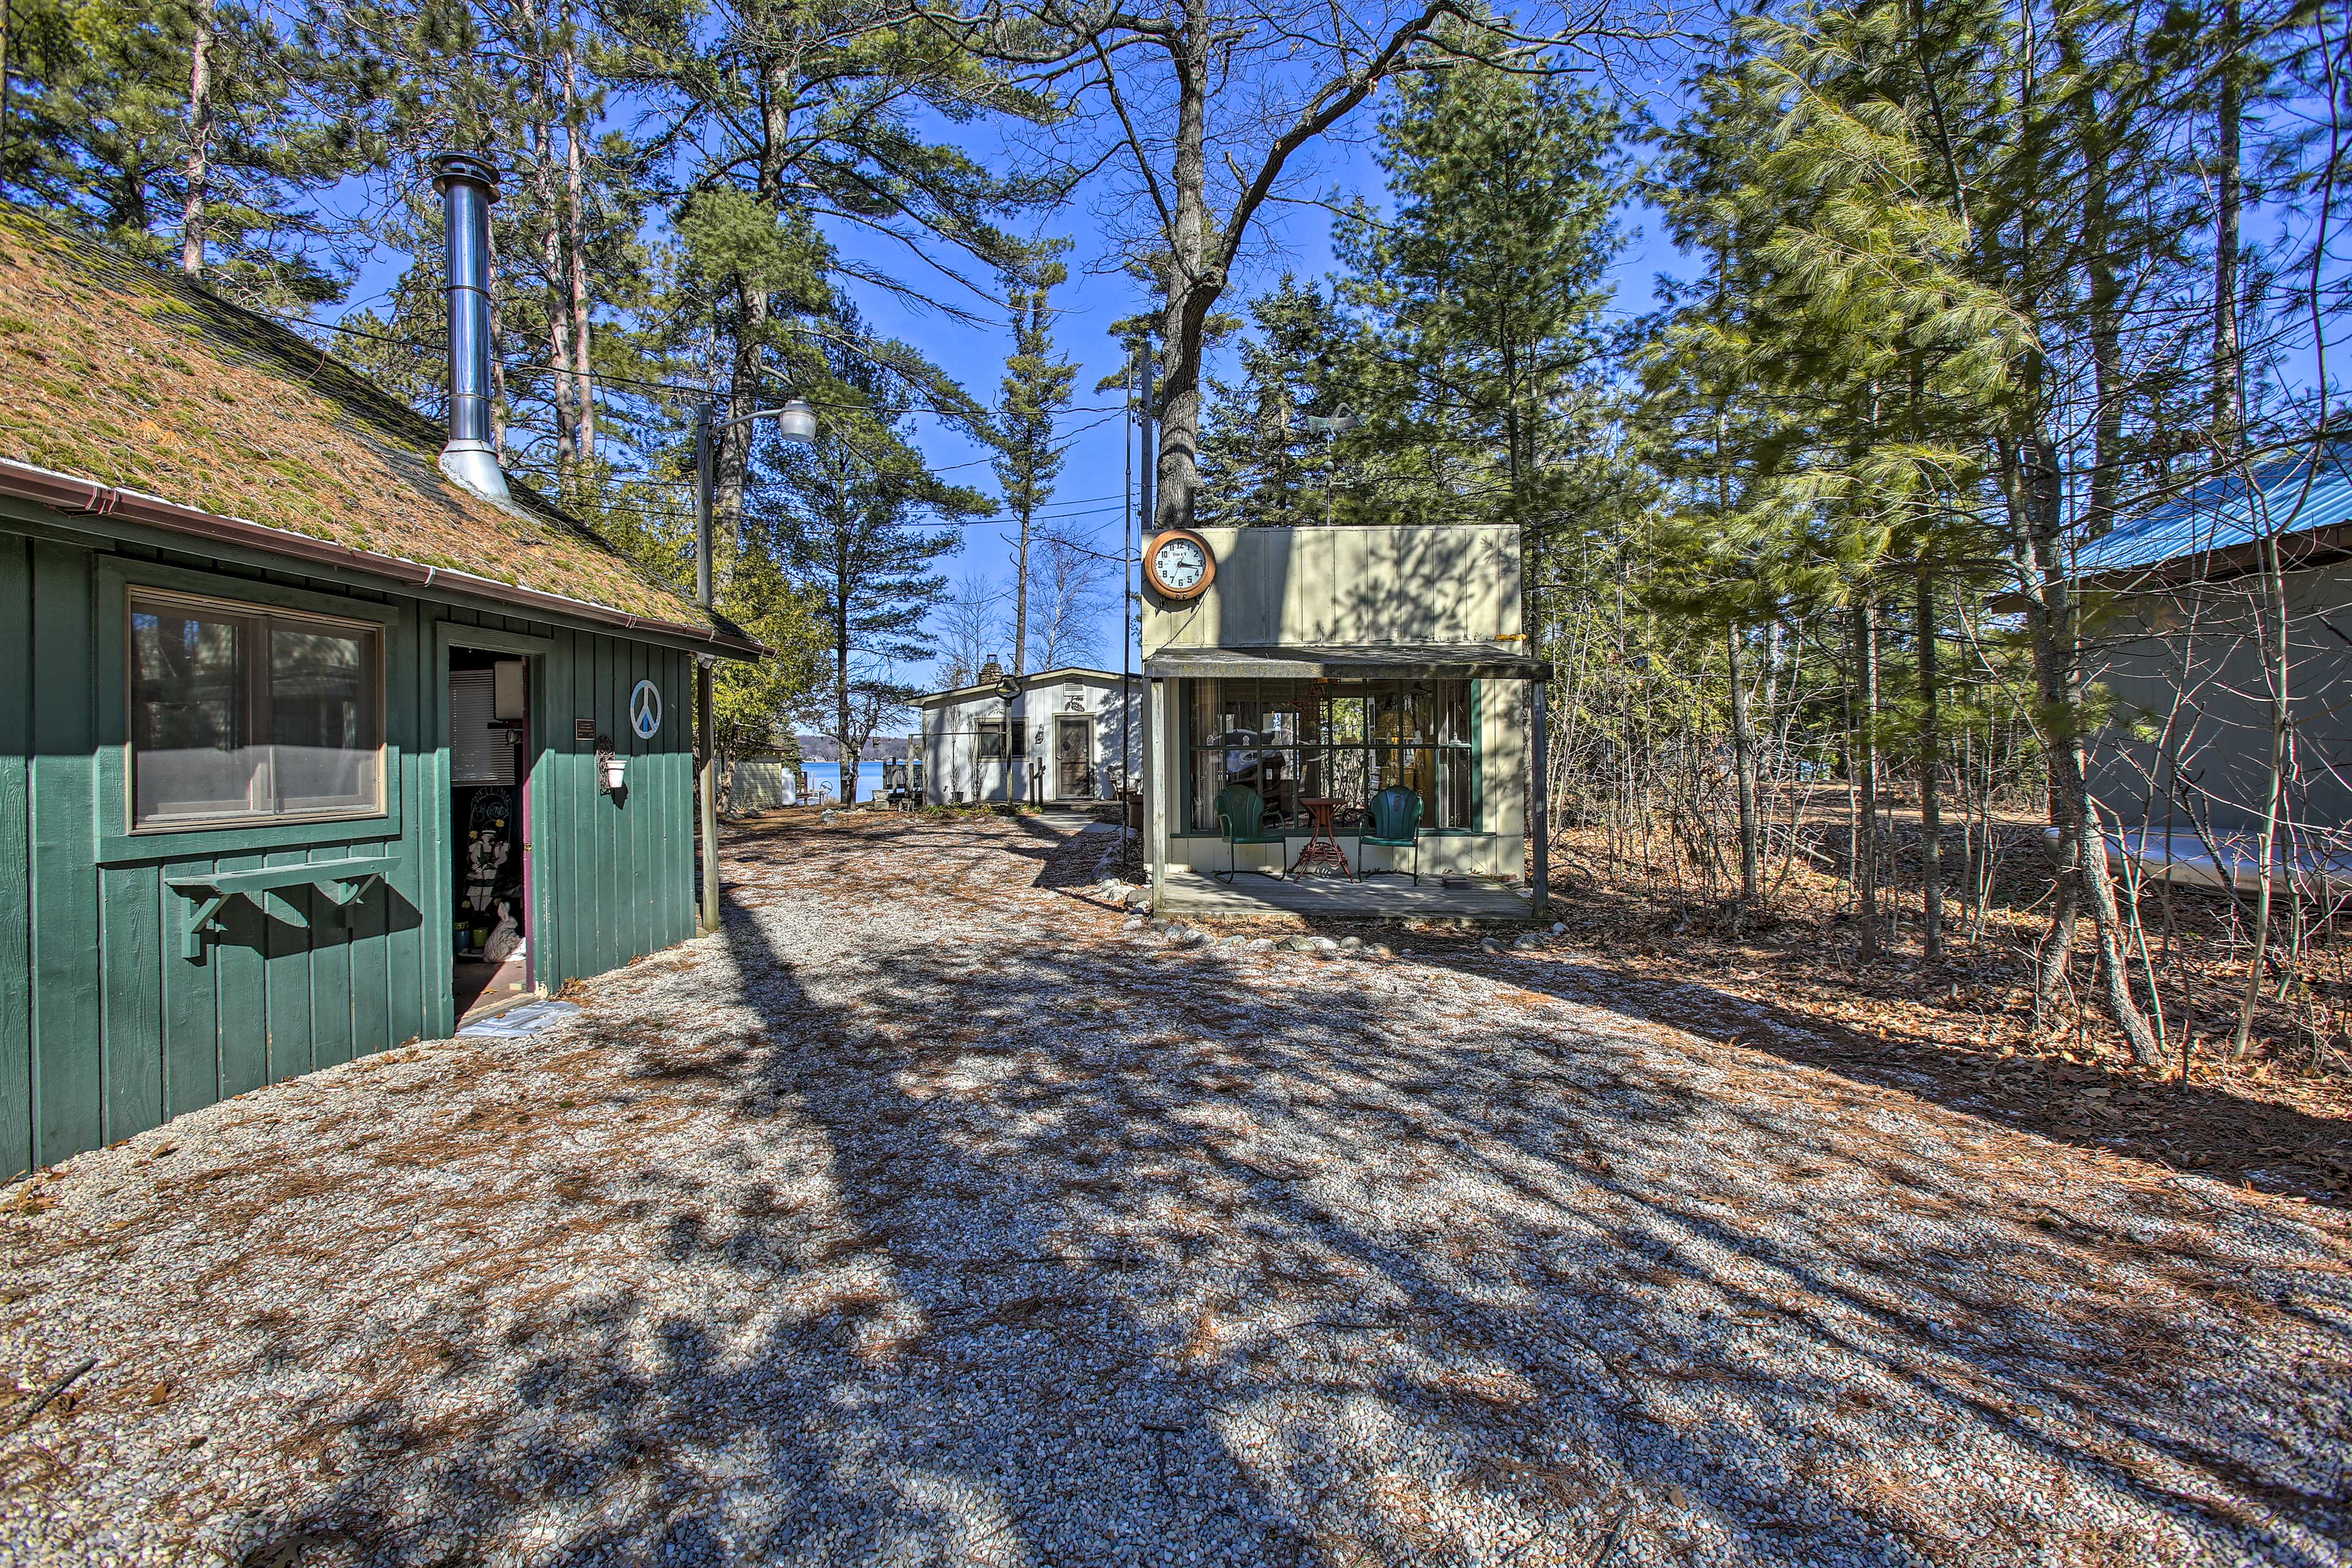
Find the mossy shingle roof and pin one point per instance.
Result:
(118, 371)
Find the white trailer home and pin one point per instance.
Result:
(1058, 736)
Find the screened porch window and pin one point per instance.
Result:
(240, 714)
(1344, 741)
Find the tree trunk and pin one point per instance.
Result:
(1931, 820)
(2082, 869)
(847, 761)
(2105, 295)
(1194, 277)
(2275, 662)
(551, 258)
(1865, 771)
(575, 249)
(2229, 200)
(1021, 600)
(499, 404)
(1743, 748)
(751, 333)
(200, 141)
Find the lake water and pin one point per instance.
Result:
(825, 778)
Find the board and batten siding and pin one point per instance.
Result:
(106, 1029)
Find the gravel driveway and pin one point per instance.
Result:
(931, 1215)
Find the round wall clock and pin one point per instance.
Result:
(1178, 565)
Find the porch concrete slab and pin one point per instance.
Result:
(1195, 894)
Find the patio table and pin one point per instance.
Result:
(1322, 852)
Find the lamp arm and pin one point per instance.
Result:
(746, 418)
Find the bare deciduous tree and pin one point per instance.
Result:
(1211, 110)
(1069, 594)
(970, 628)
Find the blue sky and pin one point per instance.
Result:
(1094, 496)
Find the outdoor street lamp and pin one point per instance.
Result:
(796, 423)
(1331, 427)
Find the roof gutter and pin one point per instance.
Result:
(76, 496)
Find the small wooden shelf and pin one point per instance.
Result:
(343, 883)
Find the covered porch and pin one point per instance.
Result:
(1312, 733)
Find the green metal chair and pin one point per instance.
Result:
(1240, 818)
(1392, 820)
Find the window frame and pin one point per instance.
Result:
(267, 621)
(395, 624)
(1190, 747)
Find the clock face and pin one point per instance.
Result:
(1181, 565)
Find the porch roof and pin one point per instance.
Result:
(1363, 661)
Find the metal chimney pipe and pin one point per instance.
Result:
(469, 184)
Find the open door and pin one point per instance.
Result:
(489, 927)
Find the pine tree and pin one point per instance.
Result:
(184, 130)
(1033, 395)
(854, 518)
(1485, 288)
(1259, 465)
(801, 117)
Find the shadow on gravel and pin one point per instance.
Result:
(1138, 1256)
(1559, 1285)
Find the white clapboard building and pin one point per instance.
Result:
(1058, 736)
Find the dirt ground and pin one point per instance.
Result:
(934, 1212)
(1962, 1031)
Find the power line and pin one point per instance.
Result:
(609, 378)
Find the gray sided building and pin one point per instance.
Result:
(2173, 608)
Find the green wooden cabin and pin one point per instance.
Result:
(261, 663)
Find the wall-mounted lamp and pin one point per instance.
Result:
(612, 770)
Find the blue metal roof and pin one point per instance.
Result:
(2227, 512)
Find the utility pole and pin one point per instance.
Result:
(796, 422)
(1127, 608)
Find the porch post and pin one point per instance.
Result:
(1538, 803)
(1155, 777)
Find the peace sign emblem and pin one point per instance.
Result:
(644, 709)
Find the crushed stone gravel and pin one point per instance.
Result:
(932, 1212)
